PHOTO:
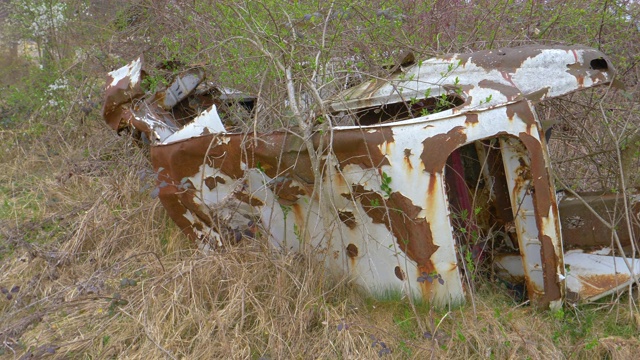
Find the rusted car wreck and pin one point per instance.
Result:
(399, 183)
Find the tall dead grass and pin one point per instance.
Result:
(93, 268)
(98, 271)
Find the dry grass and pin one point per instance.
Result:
(94, 269)
(103, 273)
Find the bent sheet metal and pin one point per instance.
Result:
(394, 199)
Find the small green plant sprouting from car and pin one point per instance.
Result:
(297, 232)
(486, 100)
(386, 184)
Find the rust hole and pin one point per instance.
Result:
(599, 64)
(352, 251)
(348, 219)
(399, 273)
(407, 154)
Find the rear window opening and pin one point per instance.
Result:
(400, 111)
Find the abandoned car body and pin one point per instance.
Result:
(394, 201)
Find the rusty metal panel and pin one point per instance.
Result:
(589, 275)
(382, 213)
(123, 86)
(391, 238)
(536, 218)
(582, 229)
(487, 78)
